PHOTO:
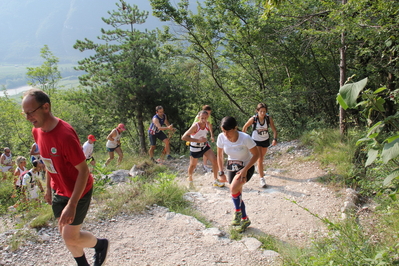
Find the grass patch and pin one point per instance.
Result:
(332, 152)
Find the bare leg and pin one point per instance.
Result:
(212, 157)
(262, 151)
(111, 157)
(151, 151)
(167, 146)
(120, 154)
(76, 240)
(193, 164)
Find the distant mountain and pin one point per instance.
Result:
(27, 25)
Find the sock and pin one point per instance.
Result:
(237, 201)
(244, 213)
(81, 261)
(99, 245)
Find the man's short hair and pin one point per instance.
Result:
(158, 108)
(40, 96)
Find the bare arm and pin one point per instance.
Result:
(69, 212)
(111, 135)
(211, 132)
(187, 135)
(248, 124)
(158, 125)
(274, 143)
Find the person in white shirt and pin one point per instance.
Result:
(6, 162)
(242, 155)
(88, 148)
(31, 181)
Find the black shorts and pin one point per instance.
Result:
(153, 138)
(59, 203)
(264, 144)
(231, 174)
(90, 159)
(199, 154)
(112, 149)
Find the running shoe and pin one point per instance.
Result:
(262, 183)
(217, 183)
(244, 225)
(101, 255)
(169, 157)
(153, 160)
(206, 168)
(237, 218)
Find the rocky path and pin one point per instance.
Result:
(160, 237)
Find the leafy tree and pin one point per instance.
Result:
(16, 130)
(124, 75)
(46, 76)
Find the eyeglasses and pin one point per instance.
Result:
(30, 113)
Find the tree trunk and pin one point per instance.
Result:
(342, 79)
(141, 131)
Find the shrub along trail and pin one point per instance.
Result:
(160, 237)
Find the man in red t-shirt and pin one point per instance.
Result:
(67, 174)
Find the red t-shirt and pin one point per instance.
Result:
(60, 151)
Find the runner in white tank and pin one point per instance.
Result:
(260, 135)
(199, 146)
(114, 144)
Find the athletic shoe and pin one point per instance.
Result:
(191, 185)
(169, 157)
(244, 225)
(206, 168)
(153, 160)
(101, 255)
(237, 218)
(262, 183)
(217, 183)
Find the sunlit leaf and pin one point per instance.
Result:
(390, 139)
(350, 92)
(380, 90)
(341, 102)
(391, 177)
(371, 156)
(390, 151)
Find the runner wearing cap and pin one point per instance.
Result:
(88, 147)
(114, 144)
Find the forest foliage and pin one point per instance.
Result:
(230, 55)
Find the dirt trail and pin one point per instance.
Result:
(160, 237)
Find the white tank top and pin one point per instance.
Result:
(260, 133)
(200, 133)
(114, 144)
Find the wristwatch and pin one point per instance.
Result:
(220, 173)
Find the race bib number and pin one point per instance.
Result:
(233, 165)
(49, 165)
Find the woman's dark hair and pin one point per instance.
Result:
(228, 123)
(260, 106)
(206, 108)
(203, 112)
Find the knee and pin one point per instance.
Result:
(70, 239)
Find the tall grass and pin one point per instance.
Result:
(333, 152)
